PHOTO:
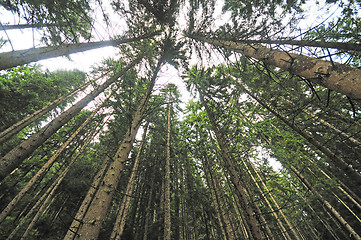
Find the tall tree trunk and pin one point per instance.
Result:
(123, 211)
(78, 219)
(306, 43)
(327, 124)
(46, 166)
(14, 158)
(278, 209)
(338, 77)
(51, 190)
(327, 205)
(339, 162)
(148, 208)
(98, 208)
(213, 195)
(167, 220)
(236, 180)
(21, 57)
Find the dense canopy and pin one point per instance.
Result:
(211, 120)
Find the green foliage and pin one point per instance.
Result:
(63, 21)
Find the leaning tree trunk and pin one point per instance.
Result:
(53, 187)
(15, 128)
(339, 162)
(14, 158)
(167, 220)
(213, 195)
(306, 43)
(21, 57)
(45, 167)
(93, 218)
(25, 26)
(327, 205)
(236, 180)
(123, 211)
(338, 77)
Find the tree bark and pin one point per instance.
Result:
(21, 57)
(305, 43)
(167, 219)
(51, 190)
(46, 166)
(338, 77)
(328, 206)
(213, 195)
(14, 158)
(123, 211)
(237, 182)
(15, 128)
(352, 173)
(98, 208)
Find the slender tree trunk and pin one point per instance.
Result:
(338, 77)
(124, 207)
(78, 219)
(148, 208)
(15, 128)
(236, 180)
(305, 43)
(51, 190)
(99, 206)
(274, 212)
(167, 219)
(14, 158)
(21, 57)
(327, 124)
(327, 205)
(213, 195)
(46, 166)
(336, 160)
(24, 26)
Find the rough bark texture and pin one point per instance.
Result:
(123, 211)
(92, 221)
(14, 158)
(21, 57)
(236, 181)
(338, 77)
(167, 220)
(46, 166)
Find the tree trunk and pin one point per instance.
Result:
(24, 26)
(21, 57)
(51, 190)
(123, 211)
(236, 180)
(338, 77)
(14, 158)
(98, 208)
(78, 219)
(167, 220)
(213, 195)
(327, 205)
(46, 166)
(304, 43)
(327, 124)
(15, 128)
(336, 160)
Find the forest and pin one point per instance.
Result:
(258, 137)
